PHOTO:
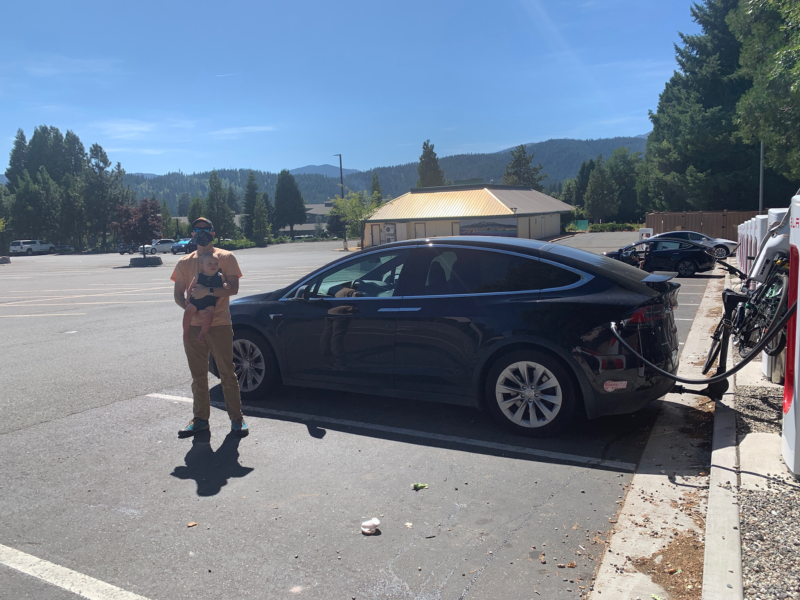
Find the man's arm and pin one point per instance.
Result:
(201, 291)
(179, 293)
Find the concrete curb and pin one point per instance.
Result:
(722, 566)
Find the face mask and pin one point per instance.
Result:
(203, 238)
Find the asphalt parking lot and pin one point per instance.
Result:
(94, 479)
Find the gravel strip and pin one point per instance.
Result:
(769, 520)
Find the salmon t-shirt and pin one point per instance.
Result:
(186, 270)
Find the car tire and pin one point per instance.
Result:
(720, 252)
(686, 268)
(52, 250)
(152, 250)
(255, 364)
(29, 252)
(513, 393)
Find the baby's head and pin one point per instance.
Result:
(209, 264)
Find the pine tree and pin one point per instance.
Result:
(582, 181)
(520, 170)
(289, 204)
(167, 225)
(695, 157)
(232, 200)
(622, 168)
(73, 215)
(196, 210)
(184, 202)
(217, 208)
(248, 211)
(100, 201)
(17, 163)
(377, 191)
(75, 158)
(46, 149)
(430, 174)
(260, 233)
(601, 194)
(568, 192)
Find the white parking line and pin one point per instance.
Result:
(67, 579)
(573, 458)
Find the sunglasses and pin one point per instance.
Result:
(199, 229)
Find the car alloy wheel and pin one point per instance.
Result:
(720, 252)
(686, 268)
(152, 250)
(531, 393)
(248, 364)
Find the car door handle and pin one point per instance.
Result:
(400, 309)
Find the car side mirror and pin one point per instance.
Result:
(303, 293)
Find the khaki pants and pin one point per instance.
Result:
(219, 340)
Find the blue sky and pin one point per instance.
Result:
(164, 86)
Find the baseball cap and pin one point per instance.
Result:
(202, 221)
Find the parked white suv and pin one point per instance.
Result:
(163, 246)
(31, 247)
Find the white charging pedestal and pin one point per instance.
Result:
(791, 415)
(772, 366)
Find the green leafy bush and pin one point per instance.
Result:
(236, 244)
(605, 227)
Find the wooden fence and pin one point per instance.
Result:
(718, 224)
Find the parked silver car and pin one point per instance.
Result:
(722, 247)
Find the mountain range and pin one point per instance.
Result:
(560, 159)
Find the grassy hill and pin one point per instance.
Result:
(560, 159)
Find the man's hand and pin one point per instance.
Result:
(199, 291)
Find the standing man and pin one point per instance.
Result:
(218, 340)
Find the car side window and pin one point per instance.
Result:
(452, 271)
(371, 276)
(667, 245)
(696, 237)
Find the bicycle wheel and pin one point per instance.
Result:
(713, 352)
(764, 309)
(777, 299)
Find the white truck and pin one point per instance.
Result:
(30, 247)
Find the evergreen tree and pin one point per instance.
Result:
(232, 200)
(17, 161)
(184, 202)
(73, 215)
(217, 208)
(196, 210)
(601, 199)
(75, 158)
(430, 174)
(520, 171)
(377, 191)
(99, 199)
(248, 211)
(582, 181)
(569, 192)
(36, 207)
(769, 31)
(695, 157)
(289, 205)
(46, 149)
(622, 168)
(167, 224)
(261, 228)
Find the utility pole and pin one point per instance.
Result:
(761, 182)
(341, 181)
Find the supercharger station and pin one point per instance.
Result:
(791, 412)
(773, 367)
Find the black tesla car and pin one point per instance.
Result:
(659, 254)
(518, 326)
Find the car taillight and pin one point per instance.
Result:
(646, 315)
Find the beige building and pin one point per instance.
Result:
(481, 209)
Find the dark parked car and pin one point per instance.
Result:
(660, 254)
(518, 326)
(185, 245)
(65, 249)
(722, 248)
(127, 248)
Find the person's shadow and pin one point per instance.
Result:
(211, 470)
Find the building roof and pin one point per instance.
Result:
(468, 201)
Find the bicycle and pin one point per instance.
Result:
(759, 308)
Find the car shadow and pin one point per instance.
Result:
(209, 469)
(613, 443)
